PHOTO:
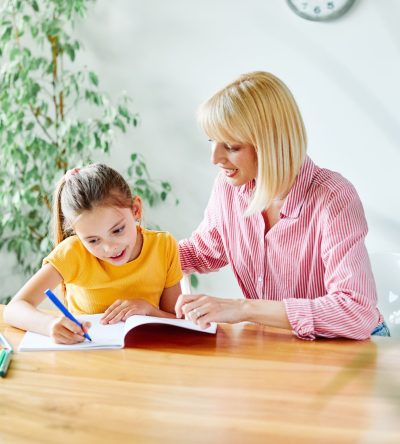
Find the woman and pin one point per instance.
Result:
(292, 232)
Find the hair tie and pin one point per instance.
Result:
(71, 172)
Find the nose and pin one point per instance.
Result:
(108, 247)
(217, 153)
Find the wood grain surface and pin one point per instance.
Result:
(246, 384)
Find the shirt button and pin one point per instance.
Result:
(260, 279)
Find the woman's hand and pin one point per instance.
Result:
(202, 309)
(65, 331)
(121, 309)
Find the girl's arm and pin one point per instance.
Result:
(21, 311)
(122, 309)
(168, 300)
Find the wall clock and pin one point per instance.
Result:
(320, 10)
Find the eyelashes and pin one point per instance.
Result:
(116, 232)
(227, 147)
(119, 230)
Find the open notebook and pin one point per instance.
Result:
(105, 336)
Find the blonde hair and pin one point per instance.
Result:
(82, 190)
(258, 109)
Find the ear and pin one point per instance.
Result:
(137, 207)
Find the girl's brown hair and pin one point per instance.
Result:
(84, 189)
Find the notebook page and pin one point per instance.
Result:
(136, 320)
(103, 336)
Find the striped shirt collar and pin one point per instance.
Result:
(295, 199)
(297, 195)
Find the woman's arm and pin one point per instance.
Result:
(348, 309)
(204, 251)
(203, 310)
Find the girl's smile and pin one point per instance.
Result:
(117, 257)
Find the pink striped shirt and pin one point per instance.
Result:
(314, 259)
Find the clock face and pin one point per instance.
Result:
(319, 10)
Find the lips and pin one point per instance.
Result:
(118, 256)
(230, 172)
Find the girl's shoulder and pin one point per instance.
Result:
(160, 245)
(71, 246)
(157, 235)
(158, 240)
(68, 258)
(70, 243)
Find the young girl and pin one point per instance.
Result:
(105, 261)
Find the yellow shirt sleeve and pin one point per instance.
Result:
(174, 271)
(67, 258)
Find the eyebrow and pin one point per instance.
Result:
(111, 229)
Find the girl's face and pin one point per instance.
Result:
(238, 161)
(109, 233)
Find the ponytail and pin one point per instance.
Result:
(59, 233)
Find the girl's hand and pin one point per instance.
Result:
(202, 309)
(65, 331)
(121, 309)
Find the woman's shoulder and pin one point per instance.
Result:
(333, 192)
(333, 183)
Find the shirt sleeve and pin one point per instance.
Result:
(204, 251)
(174, 272)
(349, 307)
(66, 258)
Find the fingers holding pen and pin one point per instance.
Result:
(86, 326)
(65, 331)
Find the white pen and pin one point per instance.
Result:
(5, 342)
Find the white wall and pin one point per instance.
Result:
(171, 55)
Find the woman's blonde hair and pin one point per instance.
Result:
(258, 109)
(83, 189)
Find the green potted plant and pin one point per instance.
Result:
(44, 129)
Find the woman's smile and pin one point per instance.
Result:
(230, 172)
(240, 157)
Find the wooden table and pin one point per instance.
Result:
(246, 384)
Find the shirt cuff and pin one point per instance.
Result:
(299, 313)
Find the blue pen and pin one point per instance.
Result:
(64, 310)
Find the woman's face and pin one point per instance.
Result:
(237, 161)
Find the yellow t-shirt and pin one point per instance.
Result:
(93, 285)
